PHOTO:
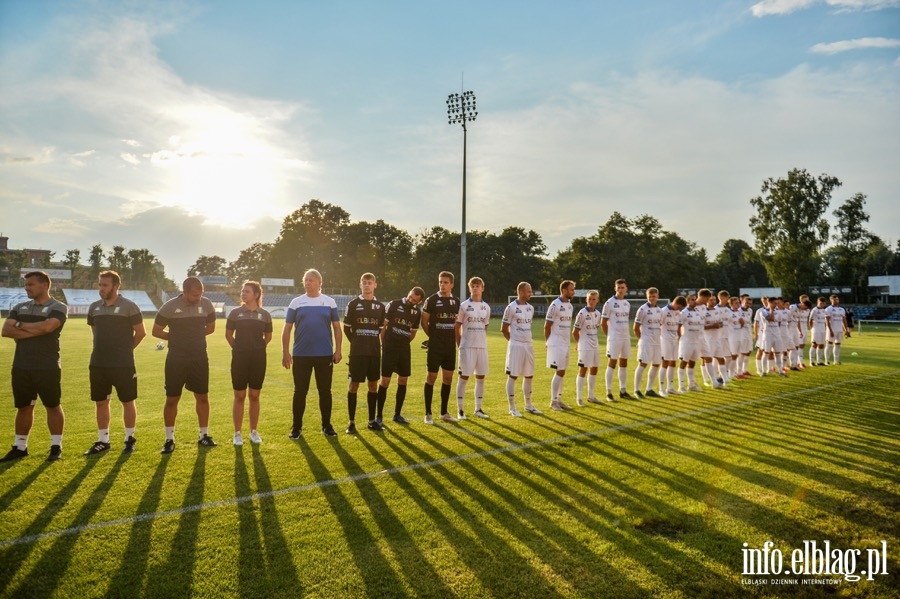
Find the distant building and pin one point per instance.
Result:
(33, 257)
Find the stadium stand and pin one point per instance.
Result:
(9, 297)
(79, 300)
(220, 297)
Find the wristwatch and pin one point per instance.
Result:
(18, 324)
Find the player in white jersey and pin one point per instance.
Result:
(799, 318)
(670, 318)
(471, 337)
(746, 344)
(712, 324)
(703, 301)
(690, 344)
(837, 326)
(818, 324)
(557, 335)
(649, 348)
(735, 322)
(587, 323)
(788, 341)
(722, 353)
(774, 335)
(760, 328)
(614, 322)
(516, 328)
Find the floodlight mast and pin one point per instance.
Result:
(461, 109)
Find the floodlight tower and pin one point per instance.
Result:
(461, 109)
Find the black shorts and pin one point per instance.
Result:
(104, 378)
(396, 359)
(248, 369)
(28, 385)
(364, 368)
(441, 358)
(190, 374)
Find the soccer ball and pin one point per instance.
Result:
(161, 345)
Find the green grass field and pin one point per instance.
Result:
(650, 498)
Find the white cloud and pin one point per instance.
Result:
(130, 158)
(783, 7)
(863, 42)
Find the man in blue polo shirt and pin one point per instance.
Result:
(313, 317)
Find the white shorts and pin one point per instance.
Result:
(788, 339)
(520, 360)
(669, 349)
(558, 357)
(837, 337)
(649, 353)
(618, 348)
(775, 343)
(707, 345)
(689, 352)
(801, 339)
(734, 342)
(761, 341)
(589, 358)
(473, 361)
(746, 344)
(818, 337)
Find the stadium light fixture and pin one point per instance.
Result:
(460, 110)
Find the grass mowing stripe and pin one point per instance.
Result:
(505, 448)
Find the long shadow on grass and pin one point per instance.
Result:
(44, 577)
(414, 564)
(476, 547)
(282, 576)
(596, 518)
(12, 558)
(377, 574)
(128, 579)
(759, 433)
(252, 566)
(13, 492)
(175, 577)
(553, 545)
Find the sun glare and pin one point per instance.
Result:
(221, 169)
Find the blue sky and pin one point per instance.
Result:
(193, 128)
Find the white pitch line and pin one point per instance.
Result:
(430, 464)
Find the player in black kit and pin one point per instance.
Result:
(401, 323)
(439, 323)
(362, 325)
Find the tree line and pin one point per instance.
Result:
(789, 250)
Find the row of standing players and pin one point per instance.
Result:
(716, 332)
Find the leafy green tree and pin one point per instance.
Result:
(853, 241)
(379, 248)
(250, 264)
(436, 249)
(96, 261)
(71, 261)
(310, 237)
(208, 266)
(638, 250)
(789, 227)
(118, 260)
(144, 269)
(736, 266)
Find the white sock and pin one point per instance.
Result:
(460, 392)
(21, 442)
(682, 378)
(103, 435)
(592, 384)
(651, 377)
(638, 375)
(691, 376)
(670, 375)
(526, 390)
(779, 362)
(705, 372)
(170, 433)
(759, 366)
(837, 352)
(799, 356)
(623, 379)
(555, 388)
(56, 440)
(511, 392)
(711, 371)
(129, 432)
(479, 393)
(609, 378)
(579, 387)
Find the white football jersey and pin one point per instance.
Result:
(473, 317)
(518, 317)
(616, 312)
(588, 323)
(649, 317)
(560, 314)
